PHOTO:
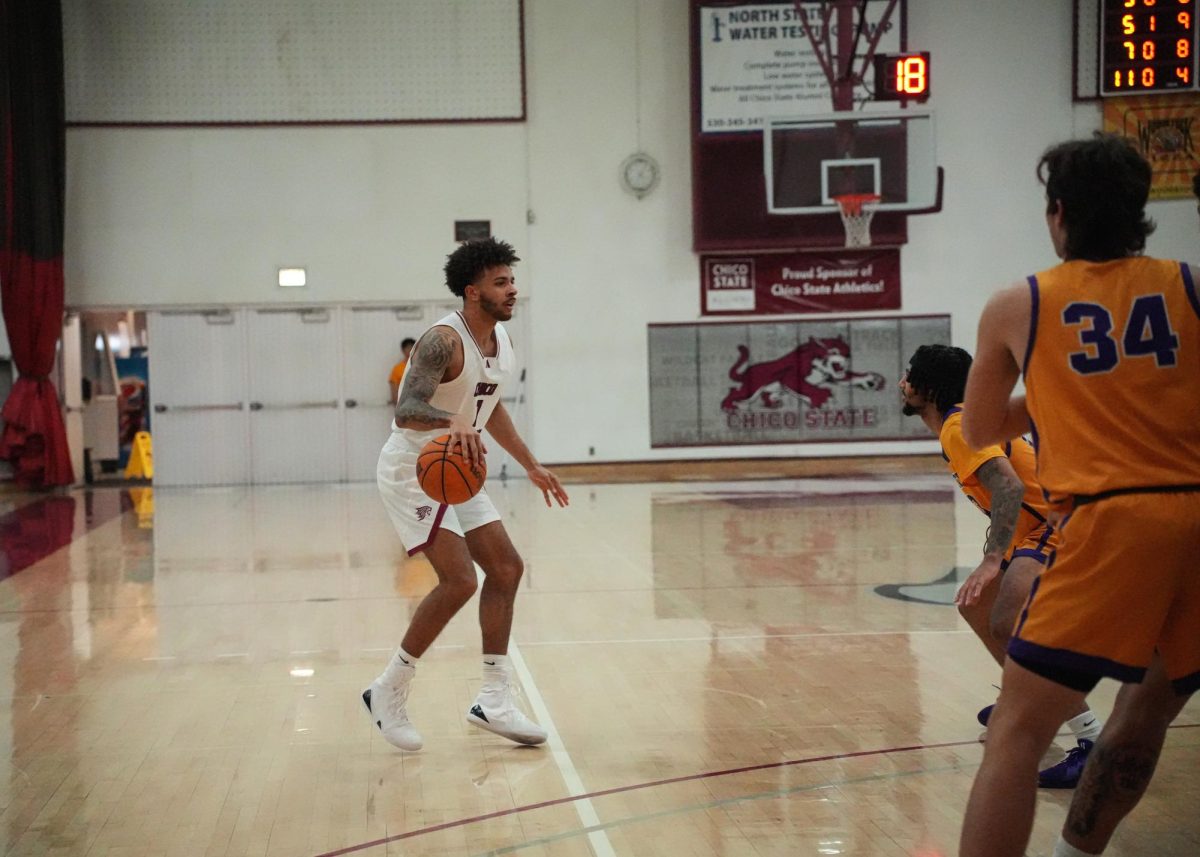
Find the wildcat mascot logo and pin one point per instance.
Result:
(809, 372)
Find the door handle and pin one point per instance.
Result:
(232, 406)
(351, 403)
(294, 406)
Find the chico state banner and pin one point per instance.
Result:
(756, 382)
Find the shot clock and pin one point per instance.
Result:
(1147, 46)
(902, 77)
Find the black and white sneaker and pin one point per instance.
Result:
(386, 706)
(505, 719)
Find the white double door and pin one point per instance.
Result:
(276, 395)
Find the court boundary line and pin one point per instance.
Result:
(597, 837)
(730, 637)
(684, 778)
(717, 804)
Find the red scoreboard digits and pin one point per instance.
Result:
(902, 77)
(1147, 46)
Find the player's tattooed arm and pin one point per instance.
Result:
(426, 368)
(1007, 491)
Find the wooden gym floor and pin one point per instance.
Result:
(761, 667)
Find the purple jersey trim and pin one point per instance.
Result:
(1033, 322)
(1187, 685)
(1032, 553)
(1037, 461)
(1038, 553)
(1033, 512)
(1074, 661)
(1189, 287)
(1029, 600)
(437, 524)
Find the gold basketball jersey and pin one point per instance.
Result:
(1112, 376)
(964, 462)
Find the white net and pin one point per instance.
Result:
(857, 210)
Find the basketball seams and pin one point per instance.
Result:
(433, 472)
(465, 482)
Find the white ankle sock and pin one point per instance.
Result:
(400, 668)
(1062, 848)
(495, 674)
(1086, 726)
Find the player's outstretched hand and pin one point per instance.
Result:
(978, 581)
(548, 482)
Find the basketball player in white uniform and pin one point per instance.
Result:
(452, 386)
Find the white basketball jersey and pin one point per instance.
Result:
(474, 394)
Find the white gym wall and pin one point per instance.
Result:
(200, 216)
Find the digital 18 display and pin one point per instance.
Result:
(902, 77)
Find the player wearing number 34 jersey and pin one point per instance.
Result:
(1112, 381)
(1112, 377)
(1109, 344)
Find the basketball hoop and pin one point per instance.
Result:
(857, 209)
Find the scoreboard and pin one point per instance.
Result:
(1147, 46)
(901, 77)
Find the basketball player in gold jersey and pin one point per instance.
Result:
(1000, 480)
(1109, 344)
(453, 385)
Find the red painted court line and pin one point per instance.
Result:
(617, 790)
(32, 532)
(446, 825)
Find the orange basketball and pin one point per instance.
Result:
(444, 474)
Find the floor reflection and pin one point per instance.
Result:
(180, 670)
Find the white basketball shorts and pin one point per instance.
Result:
(415, 516)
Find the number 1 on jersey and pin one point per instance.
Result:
(478, 408)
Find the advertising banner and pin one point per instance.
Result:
(800, 282)
(1161, 128)
(738, 383)
(757, 60)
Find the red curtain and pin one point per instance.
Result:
(33, 160)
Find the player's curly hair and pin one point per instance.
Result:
(472, 258)
(939, 372)
(1103, 185)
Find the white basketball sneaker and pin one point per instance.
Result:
(495, 711)
(386, 705)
